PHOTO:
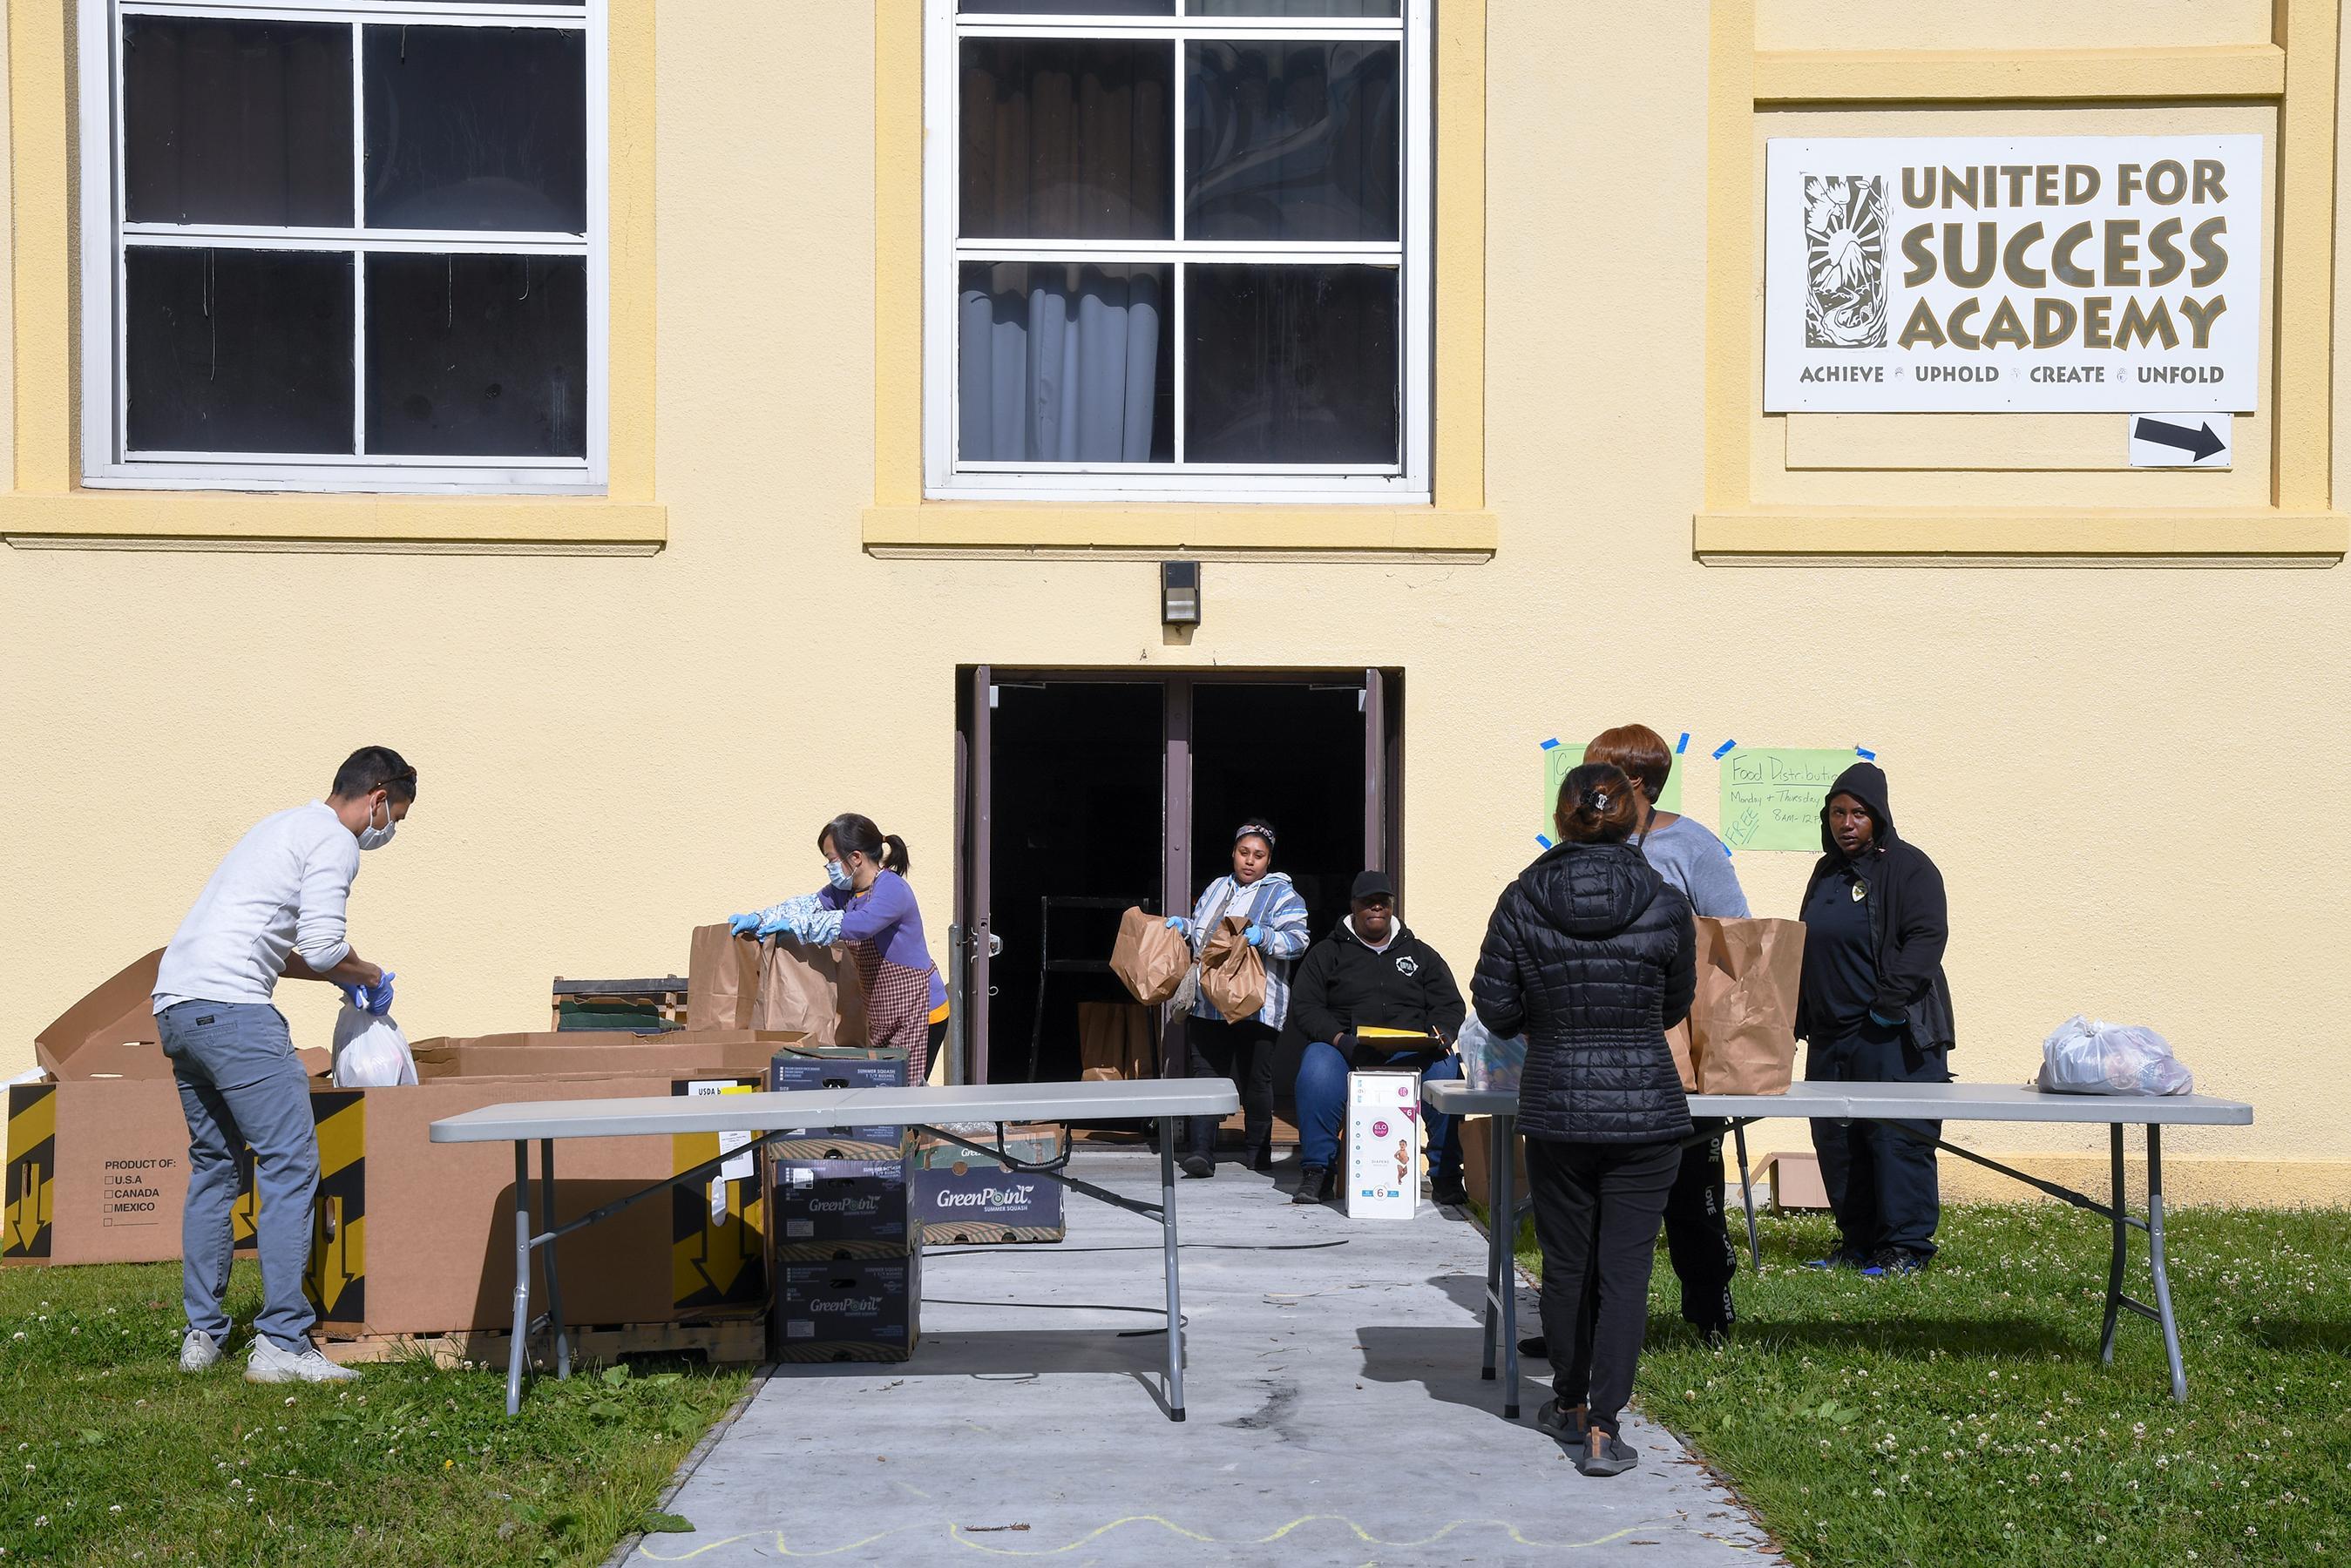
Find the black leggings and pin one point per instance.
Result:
(1697, 1234)
(1242, 1052)
(1597, 1209)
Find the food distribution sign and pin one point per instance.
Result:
(2069, 274)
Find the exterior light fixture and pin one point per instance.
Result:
(1179, 592)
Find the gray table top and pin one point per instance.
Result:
(1120, 1100)
(1903, 1101)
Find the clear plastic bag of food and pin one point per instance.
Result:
(1489, 1061)
(2091, 1056)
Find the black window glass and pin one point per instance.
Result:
(236, 122)
(237, 350)
(478, 356)
(1292, 8)
(1065, 363)
(1292, 364)
(1068, 139)
(1292, 141)
(477, 127)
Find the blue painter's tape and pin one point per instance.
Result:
(1552, 745)
(1726, 852)
(1864, 754)
(1683, 744)
(1542, 840)
(1723, 750)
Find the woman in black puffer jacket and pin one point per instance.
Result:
(1590, 955)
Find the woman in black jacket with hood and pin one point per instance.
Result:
(1874, 1007)
(1590, 954)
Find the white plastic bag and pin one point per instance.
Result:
(371, 1052)
(2090, 1056)
(1488, 1063)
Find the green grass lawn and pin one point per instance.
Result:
(1961, 1415)
(110, 1454)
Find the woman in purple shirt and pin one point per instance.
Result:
(867, 904)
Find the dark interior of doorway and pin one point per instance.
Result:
(1079, 772)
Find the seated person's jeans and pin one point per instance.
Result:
(1322, 1105)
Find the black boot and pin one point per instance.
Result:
(1314, 1187)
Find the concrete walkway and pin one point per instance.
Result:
(1335, 1414)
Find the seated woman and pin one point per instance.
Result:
(1590, 956)
(1372, 973)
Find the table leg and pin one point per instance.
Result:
(518, 1347)
(554, 1286)
(1505, 1205)
(1747, 1198)
(2121, 1253)
(1497, 1220)
(2162, 1270)
(1174, 1291)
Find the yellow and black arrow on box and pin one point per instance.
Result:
(718, 1237)
(32, 1169)
(337, 1268)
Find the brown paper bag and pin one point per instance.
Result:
(1678, 1041)
(813, 988)
(1114, 1040)
(722, 979)
(1232, 975)
(1743, 1023)
(1149, 958)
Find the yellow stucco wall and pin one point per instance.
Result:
(2128, 776)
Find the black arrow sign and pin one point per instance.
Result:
(2201, 442)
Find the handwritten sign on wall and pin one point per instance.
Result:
(1771, 796)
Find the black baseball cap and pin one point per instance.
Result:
(1373, 885)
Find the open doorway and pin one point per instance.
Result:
(1086, 794)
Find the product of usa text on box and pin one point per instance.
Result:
(1383, 1157)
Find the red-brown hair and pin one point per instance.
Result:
(1595, 804)
(1639, 751)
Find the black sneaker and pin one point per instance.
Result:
(1898, 1261)
(1448, 1192)
(1314, 1187)
(1843, 1258)
(1199, 1166)
(1535, 1347)
(1563, 1423)
(1605, 1454)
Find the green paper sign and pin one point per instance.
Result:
(1560, 760)
(1771, 796)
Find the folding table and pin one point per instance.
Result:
(1882, 1102)
(774, 1115)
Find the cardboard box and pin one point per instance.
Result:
(820, 1206)
(1383, 1153)
(859, 1309)
(798, 1068)
(726, 1051)
(110, 1032)
(1795, 1181)
(961, 1197)
(1477, 1134)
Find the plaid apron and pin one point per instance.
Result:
(897, 1008)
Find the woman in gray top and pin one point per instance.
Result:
(1688, 855)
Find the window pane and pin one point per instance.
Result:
(1292, 8)
(232, 351)
(1070, 7)
(1068, 139)
(1292, 364)
(1291, 141)
(235, 122)
(477, 127)
(1065, 364)
(474, 355)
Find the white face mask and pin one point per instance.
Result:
(374, 838)
(838, 875)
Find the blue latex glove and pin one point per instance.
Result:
(1882, 1020)
(773, 921)
(742, 925)
(375, 999)
(1254, 936)
(1175, 922)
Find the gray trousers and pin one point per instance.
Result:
(241, 1085)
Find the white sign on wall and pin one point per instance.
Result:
(2073, 274)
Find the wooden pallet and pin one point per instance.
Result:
(738, 1340)
(666, 996)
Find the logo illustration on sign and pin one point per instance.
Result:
(1844, 260)
(2077, 274)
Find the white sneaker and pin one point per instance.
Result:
(197, 1352)
(268, 1364)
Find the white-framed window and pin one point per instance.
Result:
(1177, 250)
(343, 244)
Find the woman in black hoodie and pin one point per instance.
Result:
(1874, 1007)
(1590, 956)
